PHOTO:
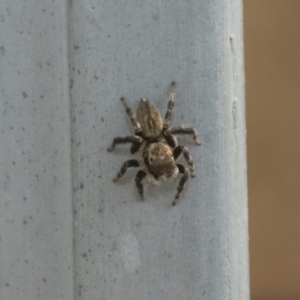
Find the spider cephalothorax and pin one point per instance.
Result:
(159, 145)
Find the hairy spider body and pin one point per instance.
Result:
(160, 149)
(159, 159)
(150, 119)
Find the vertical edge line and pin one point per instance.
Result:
(68, 4)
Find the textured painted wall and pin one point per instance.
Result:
(123, 248)
(35, 179)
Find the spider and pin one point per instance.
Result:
(160, 149)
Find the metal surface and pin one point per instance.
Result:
(123, 248)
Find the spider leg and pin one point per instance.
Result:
(184, 130)
(135, 140)
(126, 164)
(170, 106)
(182, 149)
(171, 140)
(182, 182)
(138, 181)
(135, 123)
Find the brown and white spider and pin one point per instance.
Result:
(160, 149)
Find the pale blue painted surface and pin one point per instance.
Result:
(56, 183)
(36, 257)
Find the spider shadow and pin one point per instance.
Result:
(165, 190)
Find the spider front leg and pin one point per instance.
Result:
(184, 130)
(135, 140)
(170, 106)
(182, 182)
(126, 164)
(138, 181)
(182, 149)
(135, 123)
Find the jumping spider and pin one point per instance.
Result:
(160, 149)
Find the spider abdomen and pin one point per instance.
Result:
(159, 159)
(149, 118)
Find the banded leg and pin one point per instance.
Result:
(182, 149)
(135, 123)
(171, 140)
(184, 130)
(126, 164)
(135, 140)
(182, 182)
(170, 106)
(138, 182)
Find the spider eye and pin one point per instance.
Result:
(151, 159)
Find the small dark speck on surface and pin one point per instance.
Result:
(84, 255)
(81, 185)
(71, 82)
(102, 119)
(24, 95)
(7, 284)
(24, 222)
(2, 50)
(76, 47)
